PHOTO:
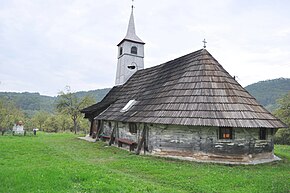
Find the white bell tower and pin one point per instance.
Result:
(130, 54)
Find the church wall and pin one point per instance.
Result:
(124, 72)
(122, 130)
(107, 128)
(190, 140)
(195, 141)
(124, 133)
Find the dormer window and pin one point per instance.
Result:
(134, 50)
(128, 106)
(121, 51)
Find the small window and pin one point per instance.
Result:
(263, 134)
(121, 51)
(226, 133)
(134, 50)
(132, 127)
(132, 66)
(272, 131)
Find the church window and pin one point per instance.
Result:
(132, 66)
(134, 50)
(132, 127)
(121, 51)
(226, 133)
(263, 133)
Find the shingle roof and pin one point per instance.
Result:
(96, 109)
(191, 90)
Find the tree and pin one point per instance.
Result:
(39, 119)
(85, 125)
(9, 113)
(283, 135)
(64, 121)
(52, 124)
(68, 103)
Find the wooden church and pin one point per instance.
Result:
(187, 107)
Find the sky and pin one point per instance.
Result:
(46, 45)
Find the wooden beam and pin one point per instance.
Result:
(146, 140)
(142, 140)
(112, 138)
(100, 129)
(91, 128)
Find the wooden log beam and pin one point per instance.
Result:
(112, 138)
(91, 127)
(142, 140)
(100, 129)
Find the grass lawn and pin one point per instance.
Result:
(63, 163)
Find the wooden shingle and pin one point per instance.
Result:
(191, 90)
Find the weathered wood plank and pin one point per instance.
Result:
(142, 140)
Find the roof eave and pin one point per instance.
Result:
(129, 40)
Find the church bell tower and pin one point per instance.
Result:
(130, 54)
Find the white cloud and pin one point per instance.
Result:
(46, 45)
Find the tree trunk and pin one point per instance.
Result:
(75, 124)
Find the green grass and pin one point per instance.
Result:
(62, 163)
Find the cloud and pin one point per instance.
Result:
(46, 45)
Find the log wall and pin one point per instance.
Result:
(190, 140)
(197, 141)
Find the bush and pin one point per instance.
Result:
(282, 137)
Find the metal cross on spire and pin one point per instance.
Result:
(204, 42)
(133, 5)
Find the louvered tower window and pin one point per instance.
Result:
(134, 50)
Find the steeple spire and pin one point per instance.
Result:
(130, 54)
(131, 33)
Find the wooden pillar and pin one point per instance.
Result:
(100, 128)
(91, 128)
(142, 140)
(112, 137)
(94, 129)
(146, 139)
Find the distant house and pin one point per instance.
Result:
(190, 106)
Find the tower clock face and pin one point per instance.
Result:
(132, 66)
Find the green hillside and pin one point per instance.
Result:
(97, 94)
(267, 92)
(31, 103)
